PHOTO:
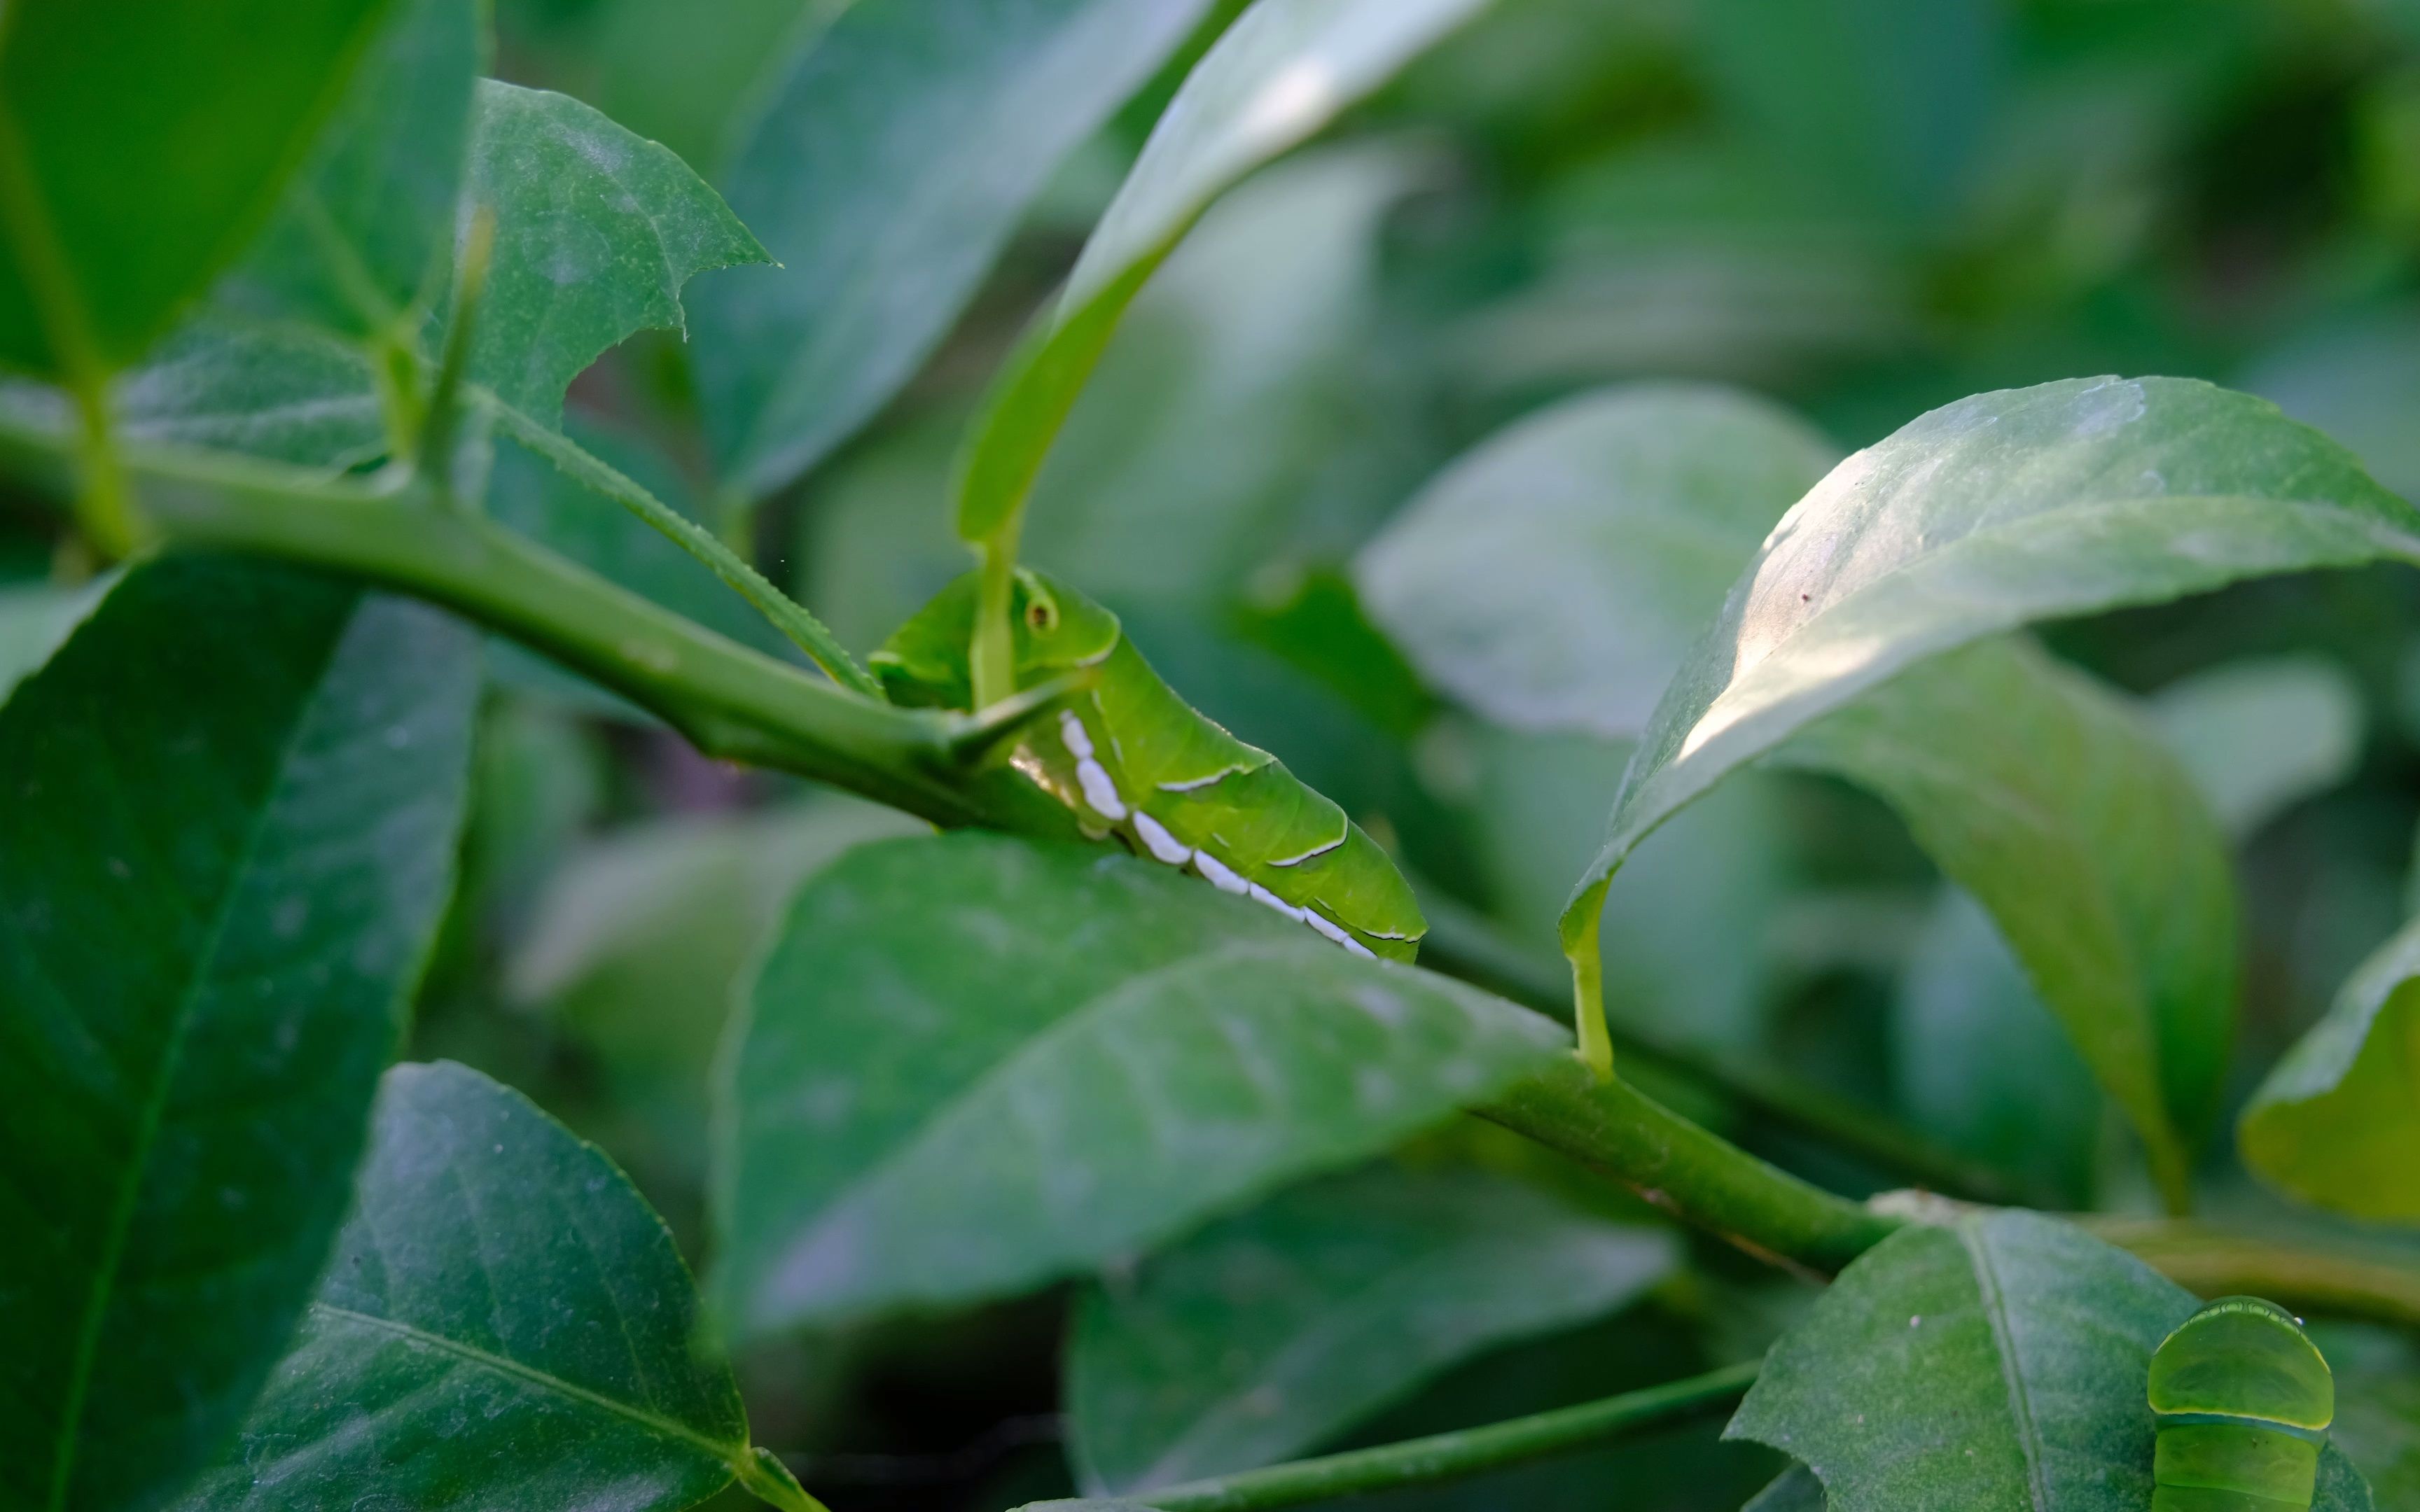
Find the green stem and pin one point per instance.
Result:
(728, 699)
(991, 659)
(1587, 995)
(787, 615)
(1693, 1174)
(2215, 1261)
(770, 1482)
(1466, 945)
(1446, 1456)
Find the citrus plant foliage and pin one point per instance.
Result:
(1251, 1057)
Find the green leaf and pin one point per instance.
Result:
(1280, 73)
(2261, 736)
(287, 392)
(1979, 1062)
(359, 243)
(1236, 419)
(141, 142)
(1267, 1333)
(596, 231)
(2060, 808)
(1997, 510)
(2337, 1123)
(640, 943)
(233, 800)
(1554, 576)
(1995, 1363)
(886, 170)
(1795, 1489)
(972, 1064)
(505, 1324)
(2378, 1406)
(35, 619)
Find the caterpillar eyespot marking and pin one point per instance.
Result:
(1133, 760)
(2243, 1401)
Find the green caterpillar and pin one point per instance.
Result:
(2243, 1401)
(1132, 759)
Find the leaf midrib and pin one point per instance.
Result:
(728, 1456)
(1995, 1303)
(122, 1222)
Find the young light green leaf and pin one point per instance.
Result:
(1556, 575)
(230, 834)
(2058, 809)
(972, 1064)
(1280, 73)
(505, 1324)
(886, 170)
(2261, 736)
(2337, 1123)
(1232, 422)
(1991, 512)
(1267, 1333)
(1995, 1364)
(596, 231)
(138, 153)
(357, 245)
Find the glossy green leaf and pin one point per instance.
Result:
(505, 1324)
(1265, 1334)
(230, 836)
(1554, 576)
(1278, 74)
(1235, 418)
(640, 943)
(141, 143)
(2337, 1123)
(1997, 510)
(2261, 736)
(359, 242)
(972, 1064)
(596, 231)
(1997, 1363)
(886, 169)
(2058, 807)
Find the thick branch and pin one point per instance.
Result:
(1446, 1456)
(1690, 1172)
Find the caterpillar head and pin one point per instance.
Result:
(1057, 629)
(2243, 1357)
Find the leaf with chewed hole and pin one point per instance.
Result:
(505, 1324)
(1267, 1333)
(2001, 509)
(972, 1064)
(1994, 1365)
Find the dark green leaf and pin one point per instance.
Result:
(2378, 1406)
(2337, 1123)
(1996, 1363)
(141, 142)
(2261, 736)
(505, 1324)
(1990, 513)
(1796, 1490)
(972, 1064)
(230, 834)
(1265, 1334)
(885, 171)
(358, 244)
(596, 231)
(2060, 809)
(1280, 73)
(1553, 577)
(35, 618)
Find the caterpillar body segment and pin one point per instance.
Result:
(2244, 1401)
(1131, 759)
